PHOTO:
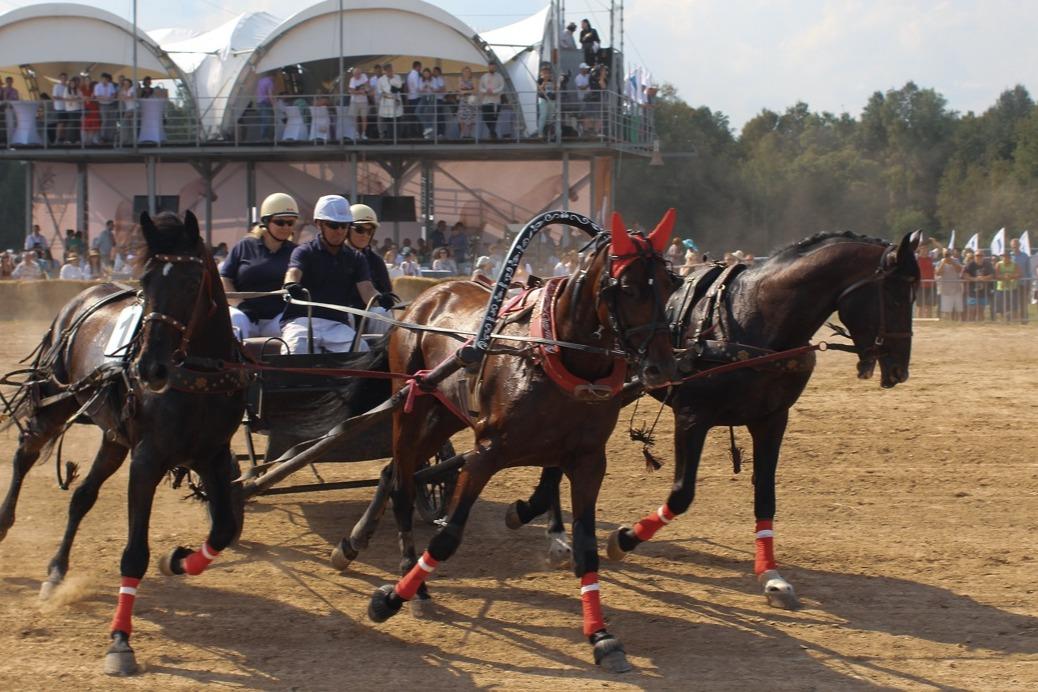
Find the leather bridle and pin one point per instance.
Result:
(885, 270)
(205, 289)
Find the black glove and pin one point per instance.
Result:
(386, 301)
(295, 290)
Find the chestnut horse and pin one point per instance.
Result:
(536, 406)
(777, 305)
(150, 405)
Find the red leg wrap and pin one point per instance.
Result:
(408, 585)
(592, 604)
(196, 562)
(765, 558)
(647, 527)
(123, 620)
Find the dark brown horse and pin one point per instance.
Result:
(167, 404)
(536, 406)
(775, 306)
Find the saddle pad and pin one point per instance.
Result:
(125, 329)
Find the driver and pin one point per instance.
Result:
(330, 270)
(258, 263)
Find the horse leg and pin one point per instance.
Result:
(108, 460)
(585, 482)
(350, 546)
(545, 497)
(688, 447)
(480, 465)
(40, 429)
(217, 478)
(767, 439)
(145, 474)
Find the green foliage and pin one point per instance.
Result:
(907, 162)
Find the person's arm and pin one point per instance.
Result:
(293, 276)
(367, 291)
(229, 287)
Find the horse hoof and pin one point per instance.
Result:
(382, 606)
(610, 655)
(613, 550)
(422, 608)
(170, 564)
(119, 660)
(560, 554)
(512, 519)
(343, 555)
(47, 589)
(780, 593)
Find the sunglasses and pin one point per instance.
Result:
(336, 225)
(283, 222)
(364, 229)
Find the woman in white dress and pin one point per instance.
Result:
(949, 286)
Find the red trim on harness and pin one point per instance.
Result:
(542, 325)
(765, 552)
(591, 604)
(409, 584)
(123, 619)
(198, 560)
(647, 527)
(414, 390)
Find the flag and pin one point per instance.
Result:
(998, 243)
(973, 243)
(1025, 243)
(951, 241)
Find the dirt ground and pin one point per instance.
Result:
(905, 520)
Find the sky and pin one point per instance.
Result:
(742, 56)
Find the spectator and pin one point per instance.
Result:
(595, 99)
(71, 271)
(692, 260)
(70, 244)
(483, 271)
(359, 104)
(94, 269)
(58, 93)
(491, 86)
(390, 107)
(582, 82)
(459, 244)
(675, 254)
(127, 112)
(438, 236)
(590, 42)
(6, 264)
(927, 286)
(35, 240)
(106, 93)
(414, 96)
(567, 264)
(567, 41)
(376, 73)
(978, 272)
(27, 268)
(91, 113)
(104, 243)
(426, 108)
(442, 261)
(545, 100)
(148, 91)
(264, 106)
(467, 104)
(948, 277)
(422, 252)
(439, 87)
(73, 111)
(389, 260)
(409, 267)
(1007, 274)
(1023, 264)
(7, 93)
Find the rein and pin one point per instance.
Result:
(883, 272)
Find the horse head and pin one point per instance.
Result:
(878, 313)
(175, 277)
(634, 284)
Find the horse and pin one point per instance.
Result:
(537, 406)
(147, 395)
(773, 307)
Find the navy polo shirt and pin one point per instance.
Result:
(330, 278)
(379, 277)
(253, 267)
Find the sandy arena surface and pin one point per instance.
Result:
(905, 520)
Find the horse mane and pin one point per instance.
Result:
(802, 247)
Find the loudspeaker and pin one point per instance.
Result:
(389, 208)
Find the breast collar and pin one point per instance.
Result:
(542, 325)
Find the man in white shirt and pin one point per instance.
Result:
(414, 83)
(71, 271)
(376, 72)
(359, 105)
(58, 99)
(389, 106)
(105, 92)
(491, 86)
(582, 81)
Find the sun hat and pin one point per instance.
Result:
(333, 208)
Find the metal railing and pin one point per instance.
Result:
(316, 120)
(977, 300)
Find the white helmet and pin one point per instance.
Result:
(335, 208)
(278, 204)
(362, 213)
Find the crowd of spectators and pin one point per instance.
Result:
(969, 285)
(75, 261)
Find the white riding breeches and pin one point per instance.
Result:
(329, 335)
(244, 328)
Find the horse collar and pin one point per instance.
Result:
(542, 325)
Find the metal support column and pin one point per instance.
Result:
(250, 192)
(209, 203)
(355, 177)
(593, 191)
(566, 231)
(28, 195)
(428, 188)
(396, 193)
(152, 185)
(82, 205)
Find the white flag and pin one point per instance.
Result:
(973, 243)
(951, 241)
(1025, 243)
(998, 243)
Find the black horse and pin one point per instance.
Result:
(164, 398)
(778, 305)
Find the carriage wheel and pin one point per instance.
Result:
(432, 498)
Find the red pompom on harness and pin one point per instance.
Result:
(123, 620)
(409, 584)
(648, 526)
(591, 604)
(197, 561)
(765, 553)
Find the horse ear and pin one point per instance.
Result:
(661, 234)
(148, 228)
(906, 249)
(191, 226)
(619, 240)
